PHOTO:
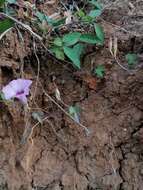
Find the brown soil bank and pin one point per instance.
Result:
(59, 156)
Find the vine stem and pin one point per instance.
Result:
(124, 68)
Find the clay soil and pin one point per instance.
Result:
(59, 155)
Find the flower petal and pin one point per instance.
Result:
(17, 88)
(15, 85)
(8, 92)
(20, 85)
(24, 83)
(22, 98)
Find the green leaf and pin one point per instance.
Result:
(38, 116)
(99, 33)
(59, 53)
(87, 19)
(2, 2)
(71, 38)
(55, 23)
(58, 41)
(5, 24)
(99, 71)
(80, 13)
(89, 38)
(9, 10)
(40, 16)
(11, 1)
(96, 4)
(131, 59)
(73, 111)
(74, 54)
(95, 13)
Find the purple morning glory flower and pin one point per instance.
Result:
(17, 89)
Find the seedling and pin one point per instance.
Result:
(73, 44)
(131, 59)
(100, 71)
(74, 112)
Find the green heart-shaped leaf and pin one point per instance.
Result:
(58, 41)
(89, 38)
(99, 33)
(99, 71)
(131, 58)
(59, 53)
(71, 38)
(74, 54)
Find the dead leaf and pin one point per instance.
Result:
(111, 45)
(57, 94)
(21, 13)
(68, 14)
(115, 46)
(51, 2)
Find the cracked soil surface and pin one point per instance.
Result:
(59, 155)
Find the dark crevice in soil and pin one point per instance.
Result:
(32, 183)
(61, 185)
(120, 168)
(138, 128)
